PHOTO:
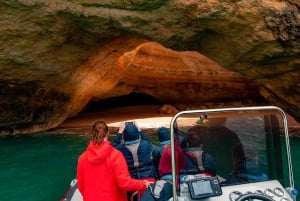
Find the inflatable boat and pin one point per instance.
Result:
(250, 147)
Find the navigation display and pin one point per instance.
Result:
(201, 187)
(204, 187)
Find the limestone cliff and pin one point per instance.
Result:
(56, 56)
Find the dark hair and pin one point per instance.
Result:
(194, 139)
(99, 131)
(203, 116)
(196, 135)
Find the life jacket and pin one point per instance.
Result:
(138, 169)
(133, 148)
(196, 157)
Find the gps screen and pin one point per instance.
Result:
(201, 187)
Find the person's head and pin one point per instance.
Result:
(99, 132)
(194, 136)
(131, 132)
(163, 135)
(202, 119)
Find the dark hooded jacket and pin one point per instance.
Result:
(143, 167)
(164, 140)
(102, 174)
(132, 133)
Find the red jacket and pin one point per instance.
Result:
(165, 163)
(102, 174)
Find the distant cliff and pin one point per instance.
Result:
(57, 56)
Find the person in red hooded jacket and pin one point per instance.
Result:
(102, 172)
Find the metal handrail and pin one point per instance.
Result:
(237, 109)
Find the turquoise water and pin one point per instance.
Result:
(40, 167)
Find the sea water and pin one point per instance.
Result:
(40, 167)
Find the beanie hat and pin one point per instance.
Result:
(131, 132)
(163, 134)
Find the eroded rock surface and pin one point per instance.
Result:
(57, 56)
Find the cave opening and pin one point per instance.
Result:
(131, 99)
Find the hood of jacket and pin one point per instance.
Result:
(98, 153)
(131, 132)
(163, 135)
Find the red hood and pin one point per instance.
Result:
(98, 153)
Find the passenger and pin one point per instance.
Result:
(120, 138)
(243, 170)
(164, 140)
(202, 119)
(165, 164)
(161, 190)
(137, 150)
(197, 160)
(102, 172)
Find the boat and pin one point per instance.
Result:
(261, 135)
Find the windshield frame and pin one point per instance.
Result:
(224, 110)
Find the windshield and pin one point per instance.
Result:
(243, 146)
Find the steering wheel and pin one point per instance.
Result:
(250, 196)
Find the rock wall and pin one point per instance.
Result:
(57, 56)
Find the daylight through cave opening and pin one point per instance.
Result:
(131, 99)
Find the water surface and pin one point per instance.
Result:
(40, 167)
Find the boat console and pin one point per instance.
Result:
(250, 146)
(210, 189)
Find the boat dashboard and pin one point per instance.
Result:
(250, 147)
(211, 189)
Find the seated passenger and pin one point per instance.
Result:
(243, 170)
(164, 140)
(198, 161)
(165, 163)
(161, 190)
(137, 150)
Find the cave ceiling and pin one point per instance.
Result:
(57, 56)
